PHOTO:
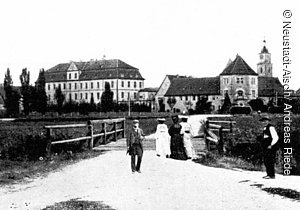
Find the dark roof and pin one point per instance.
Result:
(264, 50)
(269, 86)
(194, 86)
(171, 77)
(91, 70)
(238, 67)
(148, 89)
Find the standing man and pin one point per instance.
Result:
(269, 140)
(135, 146)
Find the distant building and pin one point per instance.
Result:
(147, 94)
(80, 81)
(160, 99)
(238, 79)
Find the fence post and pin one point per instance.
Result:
(221, 143)
(115, 128)
(48, 145)
(123, 132)
(104, 129)
(206, 140)
(91, 131)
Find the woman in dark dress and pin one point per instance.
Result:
(177, 147)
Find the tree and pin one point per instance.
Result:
(171, 101)
(27, 91)
(258, 105)
(12, 96)
(107, 98)
(40, 92)
(226, 105)
(92, 105)
(203, 105)
(60, 98)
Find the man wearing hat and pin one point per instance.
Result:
(134, 143)
(162, 138)
(269, 140)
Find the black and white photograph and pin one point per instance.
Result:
(161, 104)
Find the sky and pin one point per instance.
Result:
(186, 37)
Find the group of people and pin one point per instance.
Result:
(176, 142)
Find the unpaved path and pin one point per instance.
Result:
(163, 184)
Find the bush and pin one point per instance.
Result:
(275, 109)
(240, 110)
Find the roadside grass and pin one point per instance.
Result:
(75, 204)
(16, 171)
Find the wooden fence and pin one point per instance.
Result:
(96, 128)
(226, 126)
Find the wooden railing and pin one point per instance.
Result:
(220, 129)
(107, 128)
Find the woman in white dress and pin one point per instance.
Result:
(188, 134)
(162, 138)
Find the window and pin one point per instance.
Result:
(252, 81)
(92, 85)
(128, 84)
(122, 84)
(80, 96)
(253, 93)
(54, 86)
(75, 96)
(129, 95)
(86, 96)
(134, 84)
(70, 76)
(237, 80)
(225, 80)
(112, 84)
(98, 85)
(186, 98)
(80, 85)
(98, 96)
(92, 95)
(122, 94)
(49, 87)
(242, 80)
(180, 97)
(140, 84)
(194, 98)
(86, 85)
(134, 95)
(240, 93)
(70, 96)
(75, 75)
(64, 86)
(70, 86)
(75, 86)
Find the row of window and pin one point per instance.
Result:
(240, 93)
(85, 96)
(85, 85)
(239, 80)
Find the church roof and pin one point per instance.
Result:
(194, 86)
(94, 69)
(264, 50)
(238, 67)
(269, 86)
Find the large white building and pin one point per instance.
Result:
(80, 81)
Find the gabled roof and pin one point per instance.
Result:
(194, 86)
(238, 67)
(269, 86)
(95, 69)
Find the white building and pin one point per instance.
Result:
(80, 81)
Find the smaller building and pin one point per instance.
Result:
(147, 94)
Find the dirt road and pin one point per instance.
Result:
(163, 184)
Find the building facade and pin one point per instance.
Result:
(81, 81)
(238, 80)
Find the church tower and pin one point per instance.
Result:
(265, 67)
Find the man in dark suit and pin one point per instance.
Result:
(135, 146)
(269, 140)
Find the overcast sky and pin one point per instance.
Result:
(186, 37)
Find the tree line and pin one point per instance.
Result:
(34, 99)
